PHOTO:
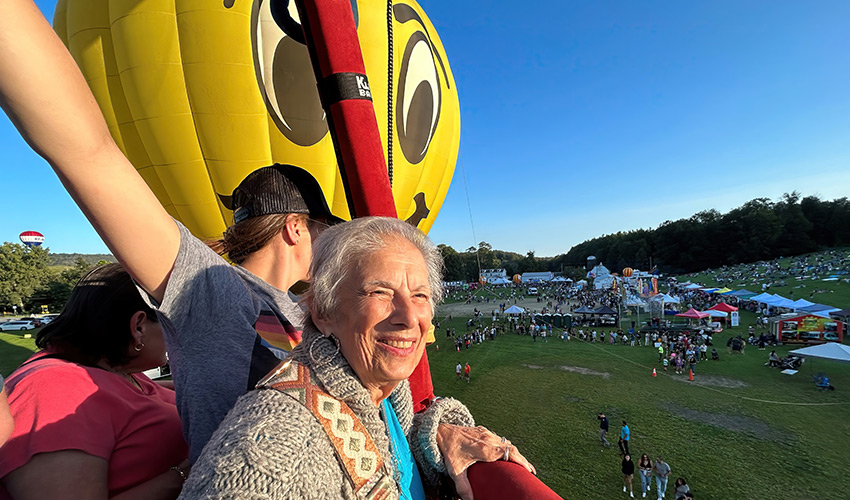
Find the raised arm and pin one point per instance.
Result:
(46, 97)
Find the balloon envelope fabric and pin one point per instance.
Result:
(200, 93)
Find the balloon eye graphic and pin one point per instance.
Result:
(418, 108)
(285, 74)
(285, 15)
(419, 97)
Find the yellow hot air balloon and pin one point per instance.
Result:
(199, 93)
(517, 278)
(627, 272)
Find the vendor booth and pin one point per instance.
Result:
(806, 328)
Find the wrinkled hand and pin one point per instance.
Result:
(463, 446)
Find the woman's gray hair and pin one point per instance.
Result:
(342, 247)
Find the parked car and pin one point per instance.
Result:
(47, 318)
(35, 321)
(18, 325)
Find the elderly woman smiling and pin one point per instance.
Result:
(336, 419)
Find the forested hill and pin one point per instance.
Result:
(760, 229)
(70, 259)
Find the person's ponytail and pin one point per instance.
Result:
(240, 240)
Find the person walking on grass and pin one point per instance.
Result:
(628, 469)
(466, 370)
(645, 469)
(662, 472)
(603, 429)
(624, 439)
(458, 369)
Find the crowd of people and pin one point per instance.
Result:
(769, 273)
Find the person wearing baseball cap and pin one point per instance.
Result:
(240, 320)
(263, 204)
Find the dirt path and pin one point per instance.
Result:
(461, 310)
(714, 381)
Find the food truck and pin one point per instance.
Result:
(806, 328)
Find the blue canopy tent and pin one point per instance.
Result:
(762, 297)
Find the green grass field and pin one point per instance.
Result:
(766, 436)
(15, 349)
(741, 430)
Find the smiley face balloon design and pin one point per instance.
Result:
(199, 93)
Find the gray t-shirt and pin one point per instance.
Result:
(662, 469)
(210, 316)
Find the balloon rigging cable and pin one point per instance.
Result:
(390, 91)
(471, 223)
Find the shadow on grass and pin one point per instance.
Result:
(14, 350)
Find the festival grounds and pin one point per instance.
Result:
(740, 430)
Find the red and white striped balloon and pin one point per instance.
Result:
(32, 238)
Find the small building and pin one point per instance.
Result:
(806, 328)
(537, 277)
(491, 275)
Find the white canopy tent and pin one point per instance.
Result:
(830, 350)
(602, 277)
(514, 310)
(669, 299)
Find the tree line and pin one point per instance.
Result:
(760, 229)
(30, 277)
(71, 259)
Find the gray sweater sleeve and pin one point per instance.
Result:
(423, 435)
(270, 447)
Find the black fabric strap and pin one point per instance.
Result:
(344, 86)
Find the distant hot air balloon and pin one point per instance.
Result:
(32, 238)
(200, 94)
(482, 280)
(627, 272)
(517, 278)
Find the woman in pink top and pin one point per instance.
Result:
(88, 424)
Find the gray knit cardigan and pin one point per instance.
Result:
(271, 447)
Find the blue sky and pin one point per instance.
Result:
(585, 118)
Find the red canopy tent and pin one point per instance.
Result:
(723, 306)
(693, 314)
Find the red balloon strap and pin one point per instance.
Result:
(500, 479)
(335, 51)
(334, 47)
